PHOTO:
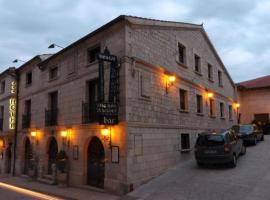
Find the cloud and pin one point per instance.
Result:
(238, 28)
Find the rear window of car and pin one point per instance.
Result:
(210, 140)
(246, 128)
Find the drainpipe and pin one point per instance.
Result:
(16, 123)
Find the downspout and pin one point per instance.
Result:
(16, 123)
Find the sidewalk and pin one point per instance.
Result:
(69, 193)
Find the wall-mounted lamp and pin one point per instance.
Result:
(237, 105)
(34, 136)
(170, 79)
(65, 135)
(54, 45)
(210, 94)
(2, 146)
(18, 60)
(106, 135)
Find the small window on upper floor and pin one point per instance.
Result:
(28, 78)
(3, 87)
(53, 73)
(93, 54)
(220, 81)
(182, 53)
(183, 100)
(197, 62)
(210, 72)
(230, 112)
(212, 108)
(221, 108)
(199, 102)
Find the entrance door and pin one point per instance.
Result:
(8, 159)
(53, 149)
(95, 163)
(27, 155)
(263, 117)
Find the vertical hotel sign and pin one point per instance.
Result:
(12, 106)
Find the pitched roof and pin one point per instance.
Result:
(147, 22)
(261, 82)
(41, 57)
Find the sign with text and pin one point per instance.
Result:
(108, 111)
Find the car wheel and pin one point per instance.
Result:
(199, 164)
(262, 139)
(255, 141)
(234, 161)
(243, 150)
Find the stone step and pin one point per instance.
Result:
(46, 181)
(48, 176)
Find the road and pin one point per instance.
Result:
(9, 192)
(250, 180)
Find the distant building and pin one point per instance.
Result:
(254, 98)
(8, 102)
(172, 85)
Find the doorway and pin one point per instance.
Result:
(52, 153)
(8, 156)
(95, 163)
(28, 155)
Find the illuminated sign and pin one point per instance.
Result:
(12, 107)
(13, 87)
(12, 113)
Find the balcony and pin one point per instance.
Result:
(26, 121)
(1, 124)
(51, 117)
(89, 113)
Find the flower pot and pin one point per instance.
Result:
(62, 179)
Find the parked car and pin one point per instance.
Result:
(222, 147)
(250, 133)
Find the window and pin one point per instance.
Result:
(210, 72)
(93, 54)
(212, 108)
(199, 103)
(220, 82)
(183, 100)
(185, 141)
(221, 108)
(197, 60)
(3, 86)
(182, 53)
(89, 113)
(230, 112)
(53, 73)
(145, 85)
(27, 107)
(1, 117)
(28, 78)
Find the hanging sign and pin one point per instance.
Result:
(108, 111)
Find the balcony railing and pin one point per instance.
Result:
(1, 124)
(51, 117)
(26, 121)
(89, 113)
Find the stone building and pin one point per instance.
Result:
(8, 92)
(254, 100)
(172, 86)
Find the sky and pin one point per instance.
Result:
(237, 28)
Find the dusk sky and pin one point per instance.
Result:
(239, 29)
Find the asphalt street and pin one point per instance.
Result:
(250, 180)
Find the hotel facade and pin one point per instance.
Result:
(125, 102)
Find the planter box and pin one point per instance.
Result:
(62, 179)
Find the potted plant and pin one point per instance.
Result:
(62, 168)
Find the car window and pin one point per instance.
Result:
(246, 128)
(210, 140)
(236, 128)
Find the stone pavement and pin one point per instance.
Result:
(69, 193)
(250, 180)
